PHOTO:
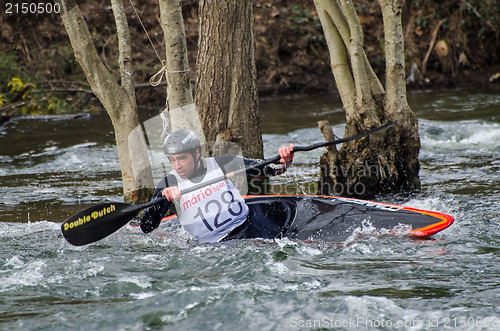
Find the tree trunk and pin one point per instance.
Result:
(405, 133)
(333, 23)
(180, 109)
(386, 161)
(119, 101)
(226, 80)
(179, 92)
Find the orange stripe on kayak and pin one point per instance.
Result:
(429, 230)
(168, 217)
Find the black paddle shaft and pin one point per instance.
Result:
(99, 221)
(343, 140)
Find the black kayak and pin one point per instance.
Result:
(333, 219)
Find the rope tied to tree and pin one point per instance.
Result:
(156, 79)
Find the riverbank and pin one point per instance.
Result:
(447, 45)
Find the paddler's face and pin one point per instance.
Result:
(183, 163)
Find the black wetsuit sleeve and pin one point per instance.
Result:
(231, 163)
(152, 216)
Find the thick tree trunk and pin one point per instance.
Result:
(119, 101)
(226, 80)
(386, 161)
(179, 92)
(405, 133)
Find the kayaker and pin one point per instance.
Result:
(217, 212)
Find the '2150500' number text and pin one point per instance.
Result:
(32, 8)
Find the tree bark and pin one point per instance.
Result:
(395, 102)
(226, 80)
(119, 101)
(383, 162)
(364, 97)
(180, 110)
(179, 92)
(125, 50)
(336, 32)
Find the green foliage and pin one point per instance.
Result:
(301, 21)
(22, 99)
(482, 15)
(379, 61)
(18, 90)
(9, 68)
(58, 59)
(362, 9)
(477, 15)
(422, 21)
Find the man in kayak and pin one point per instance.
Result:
(216, 212)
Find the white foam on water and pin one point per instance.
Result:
(142, 282)
(14, 262)
(284, 242)
(92, 269)
(432, 203)
(489, 136)
(309, 250)
(279, 268)
(13, 230)
(365, 229)
(29, 274)
(470, 134)
(143, 295)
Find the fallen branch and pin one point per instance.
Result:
(64, 82)
(8, 110)
(21, 93)
(63, 90)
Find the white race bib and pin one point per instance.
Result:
(212, 212)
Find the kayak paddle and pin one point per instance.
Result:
(98, 222)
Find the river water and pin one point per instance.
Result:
(52, 167)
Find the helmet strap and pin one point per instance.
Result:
(197, 161)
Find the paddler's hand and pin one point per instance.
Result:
(286, 154)
(171, 193)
